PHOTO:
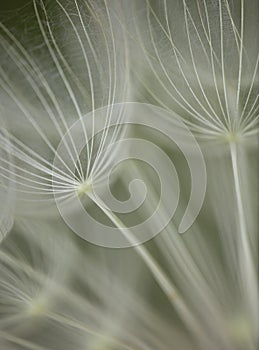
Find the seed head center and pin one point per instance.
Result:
(84, 188)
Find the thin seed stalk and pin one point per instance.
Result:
(158, 273)
(247, 265)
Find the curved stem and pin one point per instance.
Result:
(158, 273)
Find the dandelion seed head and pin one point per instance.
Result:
(84, 188)
(197, 59)
(36, 307)
(32, 273)
(50, 87)
(231, 137)
(63, 99)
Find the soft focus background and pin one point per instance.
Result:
(197, 290)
